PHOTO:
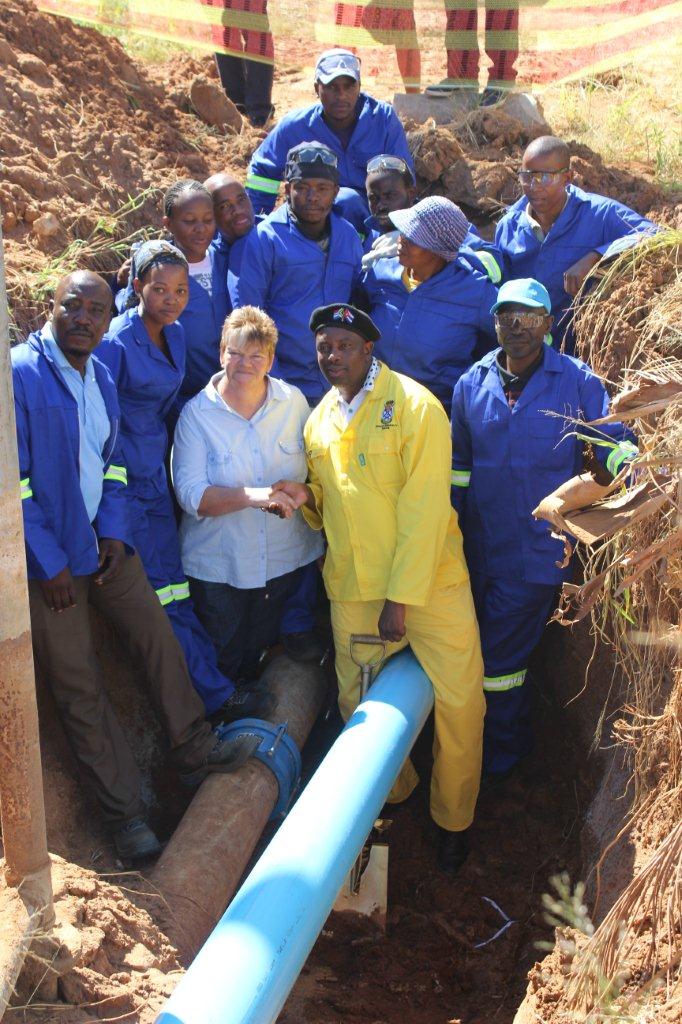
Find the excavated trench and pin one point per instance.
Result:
(439, 960)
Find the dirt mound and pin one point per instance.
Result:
(83, 129)
(108, 959)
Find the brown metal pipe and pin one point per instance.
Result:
(199, 871)
(22, 807)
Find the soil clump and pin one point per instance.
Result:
(108, 959)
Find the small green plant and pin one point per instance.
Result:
(566, 909)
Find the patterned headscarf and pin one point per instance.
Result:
(144, 255)
(155, 252)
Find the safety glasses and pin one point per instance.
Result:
(338, 62)
(388, 163)
(526, 319)
(309, 154)
(540, 177)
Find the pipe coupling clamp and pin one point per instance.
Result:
(277, 751)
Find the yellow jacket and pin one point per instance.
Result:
(382, 494)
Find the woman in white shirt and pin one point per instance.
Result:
(237, 436)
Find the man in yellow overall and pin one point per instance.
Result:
(379, 458)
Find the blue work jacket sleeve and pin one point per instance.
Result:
(619, 221)
(44, 555)
(113, 515)
(614, 444)
(267, 169)
(255, 278)
(487, 338)
(421, 527)
(111, 352)
(461, 449)
(484, 257)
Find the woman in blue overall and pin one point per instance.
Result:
(145, 351)
(430, 302)
(189, 219)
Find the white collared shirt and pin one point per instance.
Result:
(347, 410)
(216, 446)
(93, 421)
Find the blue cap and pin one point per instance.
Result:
(526, 291)
(334, 63)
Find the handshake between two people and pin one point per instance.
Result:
(283, 498)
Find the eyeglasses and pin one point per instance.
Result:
(388, 163)
(540, 177)
(309, 154)
(526, 319)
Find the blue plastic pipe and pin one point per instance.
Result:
(250, 962)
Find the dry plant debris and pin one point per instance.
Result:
(633, 571)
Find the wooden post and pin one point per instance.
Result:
(22, 807)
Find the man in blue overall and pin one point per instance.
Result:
(300, 257)
(352, 124)
(509, 452)
(79, 552)
(391, 187)
(557, 233)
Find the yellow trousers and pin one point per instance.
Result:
(444, 638)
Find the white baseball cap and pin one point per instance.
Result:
(334, 63)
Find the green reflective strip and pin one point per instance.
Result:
(460, 478)
(165, 595)
(262, 184)
(624, 452)
(496, 684)
(118, 473)
(180, 591)
(492, 267)
(25, 486)
(548, 339)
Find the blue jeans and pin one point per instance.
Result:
(242, 623)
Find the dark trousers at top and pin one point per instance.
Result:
(243, 622)
(248, 83)
(64, 651)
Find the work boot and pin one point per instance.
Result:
(227, 755)
(134, 840)
(302, 646)
(453, 850)
(244, 703)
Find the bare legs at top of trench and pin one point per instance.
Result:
(461, 38)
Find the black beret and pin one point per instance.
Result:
(339, 314)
